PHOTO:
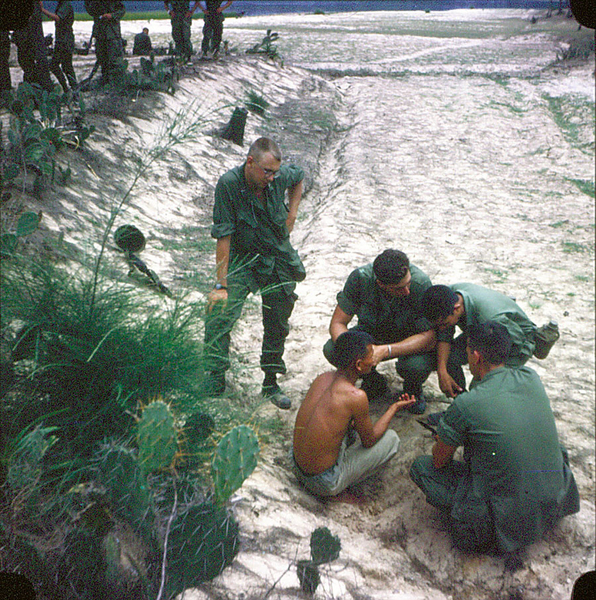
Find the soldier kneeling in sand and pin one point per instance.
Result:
(328, 456)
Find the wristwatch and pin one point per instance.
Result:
(219, 286)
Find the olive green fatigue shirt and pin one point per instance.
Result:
(64, 33)
(108, 39)
(180, 7)
(260, 243)
(482, 305)
(516, 481)
(387, 318)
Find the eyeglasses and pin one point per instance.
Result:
(268, 172)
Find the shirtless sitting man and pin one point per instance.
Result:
(328, 456)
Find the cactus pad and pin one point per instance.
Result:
(126, 486)
(324, 546)
(203, 541)
(157, 437)
(235, 458)
(308, 575)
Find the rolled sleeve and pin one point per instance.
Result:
(349, 299)
(224, 215)
(292, 174)
(446, 335)
(451, 427)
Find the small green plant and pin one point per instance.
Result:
(256, 103)
(324, 547)
(161, 76)
(266, 46)
(27, 224)
(36, 133)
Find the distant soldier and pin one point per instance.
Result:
(32, 53)
(181, 16)
(142, 44)
(213, 27)
(106, 31)
(5, 82)
(61, 63)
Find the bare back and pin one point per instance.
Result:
(323, 420)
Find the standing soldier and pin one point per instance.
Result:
(181, 16)
(61, 63)
(32, 52)
(213, 27)
(252, 225)
(5, 82)
(106, 31)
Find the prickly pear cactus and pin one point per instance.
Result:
(203, 541)
(126, 486)
(235, 458)
(308, 575)
(324, 546)
(157, 437)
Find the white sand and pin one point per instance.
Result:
(449, 150)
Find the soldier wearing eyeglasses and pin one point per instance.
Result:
(252, 224)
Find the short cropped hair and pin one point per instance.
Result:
(263, 146)
(492, 340)
(438, 302)
(391, 266)
(351, 346)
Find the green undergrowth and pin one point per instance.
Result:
(148, 15)
(107, 428)
(571, 113)
(116, 469)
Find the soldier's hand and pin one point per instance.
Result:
(448, 386)
(215, 297)
(107, 16)
(379, 354)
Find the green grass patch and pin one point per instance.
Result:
(586, 186)
(147, 15)
(559, 224)
(572, 114)
(500, 276)
(583, 278)
(575, 247)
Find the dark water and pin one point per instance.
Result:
(271, 7)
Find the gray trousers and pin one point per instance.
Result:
(353, 464)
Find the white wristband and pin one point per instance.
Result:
(389, 350)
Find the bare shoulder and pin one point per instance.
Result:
(349, 393)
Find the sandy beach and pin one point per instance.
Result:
(456, 137)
